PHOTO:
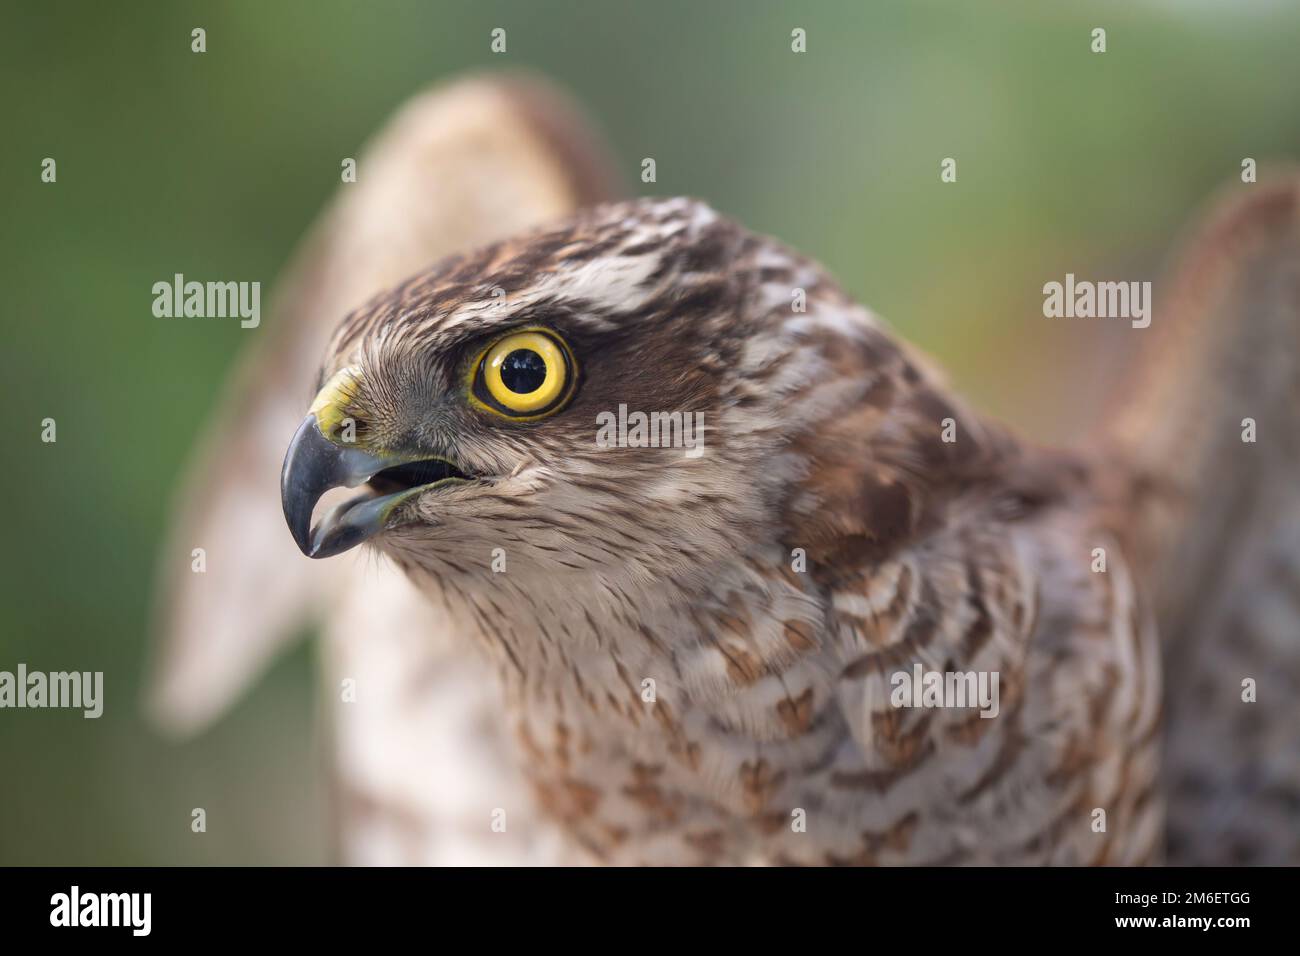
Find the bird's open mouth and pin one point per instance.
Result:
(314, 465)
(414, 474)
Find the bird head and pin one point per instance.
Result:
(513, 399)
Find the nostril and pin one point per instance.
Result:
(346, 431)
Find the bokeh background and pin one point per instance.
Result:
(213, 165)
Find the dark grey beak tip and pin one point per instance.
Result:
(312, 466)
(330, 542)
(310, 470)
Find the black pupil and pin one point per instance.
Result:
(523, 371)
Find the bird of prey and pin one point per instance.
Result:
(582, 650)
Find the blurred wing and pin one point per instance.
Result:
(1215, 520)
(458, 166)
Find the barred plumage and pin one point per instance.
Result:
(695, 655)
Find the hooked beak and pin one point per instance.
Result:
(314, 465)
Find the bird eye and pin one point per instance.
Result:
(525, 375)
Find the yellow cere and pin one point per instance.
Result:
(552, 385)
(330, 406)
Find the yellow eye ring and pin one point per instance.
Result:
(525, 375)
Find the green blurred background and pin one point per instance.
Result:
(213, 165)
